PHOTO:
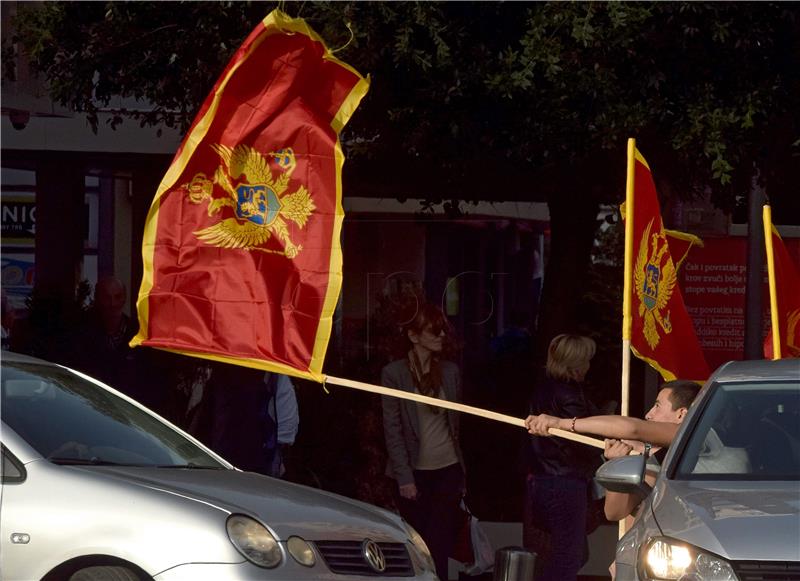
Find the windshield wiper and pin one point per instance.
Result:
(101, 462)
(190, 466)
(85, 462)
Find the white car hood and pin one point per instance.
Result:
(739, 521)
(287, 508)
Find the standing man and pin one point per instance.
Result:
(105, 334)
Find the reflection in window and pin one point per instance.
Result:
(747, 432)
(66, 418)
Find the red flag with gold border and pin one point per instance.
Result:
(242, 255)
(662, 332)
(787, 291)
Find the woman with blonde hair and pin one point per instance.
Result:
(560, 471)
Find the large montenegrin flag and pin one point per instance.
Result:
(242, 255)
(661, 331)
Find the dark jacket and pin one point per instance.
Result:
(400, 421)
(554, 456)
(241, 430)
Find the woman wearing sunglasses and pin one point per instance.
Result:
(422, 441)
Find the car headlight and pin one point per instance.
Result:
(253, 540)
(666, 559)
(420, 553)
(301, 551)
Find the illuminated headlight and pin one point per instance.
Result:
(666, 560)
(254, 541)
(301, 551)
(420, 553)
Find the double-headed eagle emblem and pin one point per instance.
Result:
(654, 283)
(257, 198)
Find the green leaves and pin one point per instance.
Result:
(92, 52)
(473, 82)
(695, 76)
(721, 168)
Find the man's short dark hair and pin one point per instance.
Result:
(682, 392)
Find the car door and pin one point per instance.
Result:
(14, 536)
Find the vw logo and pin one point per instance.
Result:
(373, 556)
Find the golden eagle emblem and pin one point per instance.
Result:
(654, 283)
(257, 198)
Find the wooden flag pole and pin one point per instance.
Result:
(627, 322)
(626, 376)
(773, 294)
(459, 407)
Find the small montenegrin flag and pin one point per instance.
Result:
(661, 331)
(242, 258)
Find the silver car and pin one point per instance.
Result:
(95, 486)
(726, 504)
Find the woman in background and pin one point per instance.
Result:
(560, 471)
(424, 456)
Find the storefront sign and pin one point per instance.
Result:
(18, 220)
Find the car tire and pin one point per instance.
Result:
(104, 573)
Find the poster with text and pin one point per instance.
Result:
(713, 279)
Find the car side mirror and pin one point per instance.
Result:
(624, 475)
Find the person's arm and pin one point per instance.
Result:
(286, 409)
(619, 505)
(619, 427)
(459, 398)
(393, 433)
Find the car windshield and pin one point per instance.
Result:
(70, 420)
(747, 431)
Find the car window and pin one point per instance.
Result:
(746, 432)
(12, 470)
(70, 420)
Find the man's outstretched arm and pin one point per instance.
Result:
(619, 427)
